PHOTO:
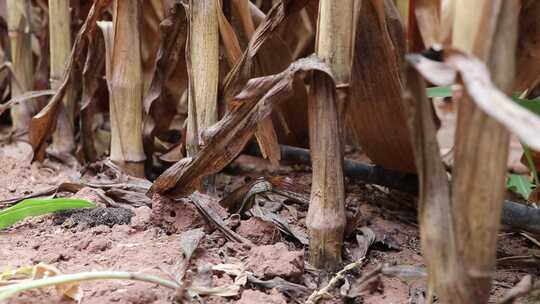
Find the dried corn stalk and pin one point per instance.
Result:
(60, 46)
(434, 209)
(126, 85)
(488, 30)
(326, 216)
(203, 70)
(459, 224)
(21, 59)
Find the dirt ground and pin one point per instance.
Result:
(151, 248)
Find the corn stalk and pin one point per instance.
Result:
(326, 215)
(126, 85)
(60, 46)
(21, 59)
(488, 30)
(203, 72)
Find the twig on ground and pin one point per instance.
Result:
(318, 294)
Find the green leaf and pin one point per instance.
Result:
(530, 161)
(532, 105)
(35, 207)
(519, 184)
(439, 92)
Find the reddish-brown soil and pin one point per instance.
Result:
(152, 247)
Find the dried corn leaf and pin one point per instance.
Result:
(153, 14)
(301, 41)
(170, 76)
(91, 76)
(242, 198)
(436, 230)
(43, 124)
(69, 290)
(459, 236)
(447, 12)
(246, 68)
(189, 242)
(229, 38)
(375, 113)
(427, 20)
(226, 139)
(244, 12)
(487, 29)
(528, 51)
(27, 96)
(201, 203)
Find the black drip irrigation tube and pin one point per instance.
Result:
(514, 214)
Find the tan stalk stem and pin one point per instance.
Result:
(488, 30)
(326, 215)
(60, 46)
(203, 71)
(21, 58)
(126, 88)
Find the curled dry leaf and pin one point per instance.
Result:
(365, 240)
(226, 139)
(201, 202)
(479, 86)
(280, 223)
(282, 185)
(242, 198)
(229, 290)
(189, 241)
(43, 124)
(70, 290)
